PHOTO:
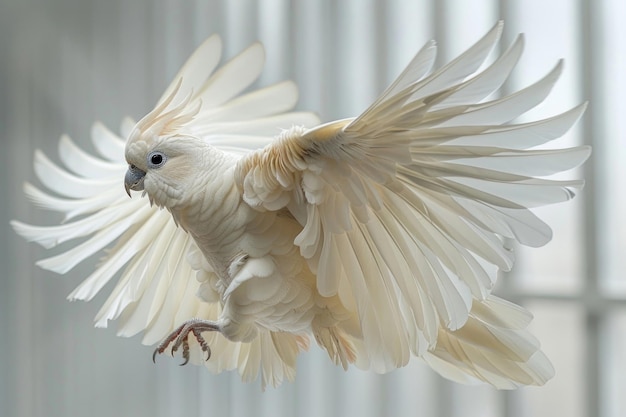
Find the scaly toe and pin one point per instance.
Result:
(180, 337)
(203, 344)
(185, 352)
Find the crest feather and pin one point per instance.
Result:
(165, 120)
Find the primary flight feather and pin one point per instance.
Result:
(379, 236)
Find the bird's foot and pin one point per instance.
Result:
(180, 337)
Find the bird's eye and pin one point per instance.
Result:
(156, 159)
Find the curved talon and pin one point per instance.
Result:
(159, 349)
(208, 353)
(203, 344)
(180, 337)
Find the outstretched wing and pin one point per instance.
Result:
(405, 208)
(157, 286)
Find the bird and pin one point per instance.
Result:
(254, 229)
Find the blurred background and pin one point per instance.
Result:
(67, 63)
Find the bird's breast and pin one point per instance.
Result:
(216, 217)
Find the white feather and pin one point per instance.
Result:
(407, 204)
(194, 73)
(82, 163)
(107, 143)
(157, 288)
(380, 235)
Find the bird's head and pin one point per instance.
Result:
(163, 167)
(162, 154)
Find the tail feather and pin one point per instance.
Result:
(338, 344)
(273, 355)
(494, 346)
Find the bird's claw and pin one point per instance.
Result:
(180, 337)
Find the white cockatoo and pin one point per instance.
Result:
(380, 236)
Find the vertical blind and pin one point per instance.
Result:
(68, 63)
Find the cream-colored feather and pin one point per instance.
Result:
(380, 236)
(157, 288)
(405, 204)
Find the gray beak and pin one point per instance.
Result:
(133, 180)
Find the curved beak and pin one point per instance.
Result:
(133, 180)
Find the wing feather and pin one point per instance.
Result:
(109, 145)
(404, 212)
(275, 99)
(194, 71)
(504, 109)
(70, 207)
(62, 182)
(457, 70)
(81, 163)
(266, 126)
(157, 288)
(486, 82)
(233, 77)
(405, 209)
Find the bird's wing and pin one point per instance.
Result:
(405, 208)
(157, 285)
(148, 247)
